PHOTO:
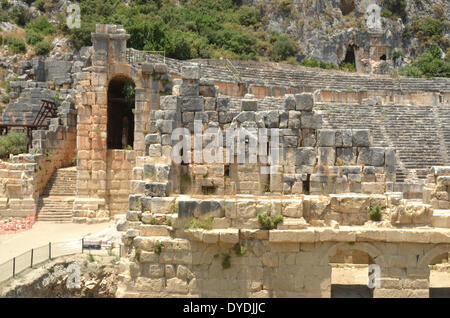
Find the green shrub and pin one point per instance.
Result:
(43, 48)
(386, 13)
(348, 67)
(397, 7)
(283, 48)
(428, 65)
(248, 16)
(80, 37)
(40, 5)
(137, 254)
(239, 249)
(42, 26)
(375, 212)
(32, 37)
(16, 45)
(396, 53)
(5, 99)
(226, 260)
(13, 143)
(19, 15)
(310, 62)
(268, 222)
(158, 247)
(90, 258)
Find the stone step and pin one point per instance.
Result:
(441, 218)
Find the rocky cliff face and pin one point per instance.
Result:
(326, 29)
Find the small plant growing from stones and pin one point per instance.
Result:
(169, 221)
(375, 212)
(137, 254)
(199, 224)
(173, 207)
(158, 247)
(226, 263)
(265, 187)
(90, 258)
(268, 222)
(239, 249)
(152, 221)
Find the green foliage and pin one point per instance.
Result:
(32, 37)
(40, 5)
(80, 37)
(19, 15)
(42, 26)
(43, 48)
(429, 31)
(90, 258)
(428, 65)
(158, 247)
(239, 249)
(310, 63)
(13, 143)
(268, 222)
(137, 254)
(74, 160)
(375, 212)
(169, 221)
(348, 67)
(283, 48)
(396, 53)
(15, 45)
(396, 7)
(129, 93)
(202, 223)
(386, 13)
(226, 260)
(5, 99)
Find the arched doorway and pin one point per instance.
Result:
(350, 271)
(120, 125)
(440, 276)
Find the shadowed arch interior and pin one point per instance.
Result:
(120, 127)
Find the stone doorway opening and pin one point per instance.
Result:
(347, 6)
(440, 276)
(120, 124)
(350, 58)
(350, 273)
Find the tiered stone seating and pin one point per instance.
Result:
(412, 130)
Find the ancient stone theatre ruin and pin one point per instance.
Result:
(269, 224)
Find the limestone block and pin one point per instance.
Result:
(177, 286)
(223, 104)
(229, 236)
(377, 156)
(305, 156)
(249, 105)
(153, 230)
(343, 138)
(190, 72)
(304, 101)
(192, 104)
(326, 138)
(156, 189)
(169, 102)
(311, 120)
(292, 208)
(230, 208)
(245, 208)
(327, 156)
(187, 207)
(347, 155)
(188, 89)
(289, 102)
(361, 137)
(350, 203)
(294, 119)
(211, 208)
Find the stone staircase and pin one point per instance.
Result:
(55, 204)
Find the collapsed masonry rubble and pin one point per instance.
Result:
(204, 176)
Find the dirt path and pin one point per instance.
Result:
(41, 233)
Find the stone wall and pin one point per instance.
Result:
(25, 176)
(275, 263)
(437, 191)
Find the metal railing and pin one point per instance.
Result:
(233, 70)
(50, 251)
(138, 57)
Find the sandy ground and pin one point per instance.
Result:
(42, 233)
